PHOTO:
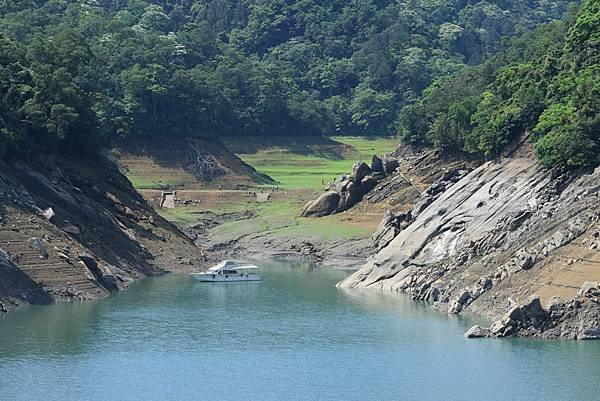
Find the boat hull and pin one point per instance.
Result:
(222, 278)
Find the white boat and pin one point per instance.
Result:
(229, 270)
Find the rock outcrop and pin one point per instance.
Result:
(578, 319)
(389, 227)
(481, 241)
(77, 229)
(392, 224)
(324, 205)
(349, 189)
(390, 164)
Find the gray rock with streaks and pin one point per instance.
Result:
(477, 332)
(500, 220)
(377, 165)
(324, 205)
(39, 245)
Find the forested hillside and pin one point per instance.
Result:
(545, 83)
(75, 73)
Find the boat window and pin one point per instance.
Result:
(227, 272)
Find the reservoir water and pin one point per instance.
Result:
(293, 336)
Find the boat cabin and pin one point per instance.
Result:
(229, 270)
(229, 267)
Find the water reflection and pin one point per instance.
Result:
(294, 335)
(59, 329)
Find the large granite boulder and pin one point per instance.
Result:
(324, 205)
(477, 332)
(359, 171)
(349, 196)
(534, 311)
(377, 165)
(351, 188)
(390, 164)
(520, 318)
(367, 184)
(340, 183)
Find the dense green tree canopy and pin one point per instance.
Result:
(545, 83)
(77, 72)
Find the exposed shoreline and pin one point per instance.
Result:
(478, 240)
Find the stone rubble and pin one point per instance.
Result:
(555, 319)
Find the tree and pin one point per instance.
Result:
(155, 19)
(88, 69)
(143, 88)
(372, 112)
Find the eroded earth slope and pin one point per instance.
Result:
(76, 229)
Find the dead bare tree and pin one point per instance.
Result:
(203, 166)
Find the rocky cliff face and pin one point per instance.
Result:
(76, 229)
(487, 240)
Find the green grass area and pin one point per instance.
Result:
(282, 218)
(296, 163)
(189, 215)
(184, 215)
(368, 146)
(310, 168)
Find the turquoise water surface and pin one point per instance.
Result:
(293, 336)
